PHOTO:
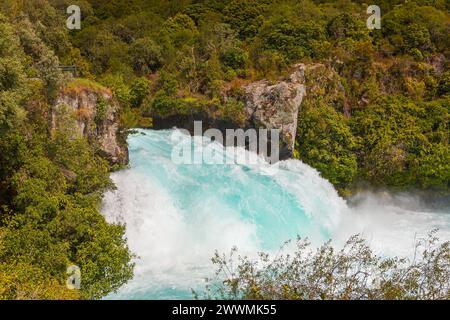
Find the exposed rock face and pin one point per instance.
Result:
(92, 114)
(266, 105)
(276, 106)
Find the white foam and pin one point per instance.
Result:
(174, 243)
(173, 247)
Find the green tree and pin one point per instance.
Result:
(444, 84)
(292, 39)
(146, 56)
(325, 141)
(246, 17)
(399, 139)
(139, 91)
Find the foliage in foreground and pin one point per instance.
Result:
(354, 272)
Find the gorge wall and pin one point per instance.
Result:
(276, 106)
(93, 113)
(267, 104)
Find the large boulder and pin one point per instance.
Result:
(276, 105)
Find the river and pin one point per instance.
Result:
(177, 215)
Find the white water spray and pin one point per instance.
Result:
(177, 215)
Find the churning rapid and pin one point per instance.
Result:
(177, 215)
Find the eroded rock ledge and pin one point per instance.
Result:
(266, 105)
(276, 106)
(91, 113)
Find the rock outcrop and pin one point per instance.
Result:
(266, 104)
(271, 105)
(91, 113)
(276, 106)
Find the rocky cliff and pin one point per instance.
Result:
(265, 104)
(91, 112)
(276, 106)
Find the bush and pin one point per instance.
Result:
(346, 26)
(139, 91)
(245, 17)
(398, 147)
(352, 273)
(444, 84)
(234, 58)
(20, 281)
(146, 56)
(292, 39)
(325, 141)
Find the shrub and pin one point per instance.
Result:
(353, 273)
(146, 56)
(325, 141)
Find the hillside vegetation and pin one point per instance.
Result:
(50, 185)
(385, 125)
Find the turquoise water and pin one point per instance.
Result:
(177, 215)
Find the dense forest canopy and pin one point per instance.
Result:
(387, 124)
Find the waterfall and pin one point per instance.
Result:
(177, 215)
